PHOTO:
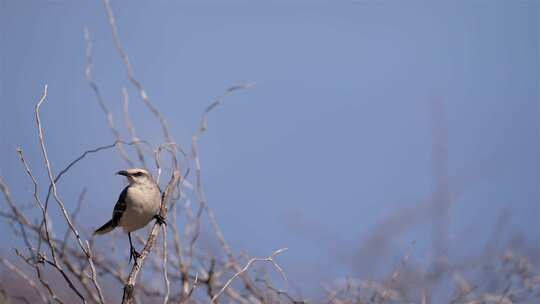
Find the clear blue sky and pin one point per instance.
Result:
(335, 136)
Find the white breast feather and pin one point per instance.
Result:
(142, 203)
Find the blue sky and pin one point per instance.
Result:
(335, 136)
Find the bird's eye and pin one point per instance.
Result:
(138, 174)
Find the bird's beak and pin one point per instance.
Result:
(124, 173)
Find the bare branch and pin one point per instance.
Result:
(41, 279)
(99, 98)
(17, 215)
(164, 266)
(245, 268)
(93, 274)
(203, 203)
(131, 76)
(74, 216)
(26, 278)
(130, 284)
(56, 196)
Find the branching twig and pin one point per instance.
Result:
(203, 203)
(26, 278)
(55, 193)
(245, 268)
(131, 76)
(99, 98)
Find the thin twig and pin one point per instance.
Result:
(131, 128)
(41, 258)
(55, 193)
(41, 278)
(83, 155)
(92, 83)
(74, 216)
(44, 214)
(19, 216)
(93, 274)
(25, 277)
(246, 267)
(164, 265)
(131, 76)
(203, 203)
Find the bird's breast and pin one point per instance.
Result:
(142, 203)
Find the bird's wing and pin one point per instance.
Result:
(120, 206)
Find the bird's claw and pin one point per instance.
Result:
(160, 219)
(133, 254)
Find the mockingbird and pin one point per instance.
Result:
(137, 205)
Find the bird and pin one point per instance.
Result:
(137, 205)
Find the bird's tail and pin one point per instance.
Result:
(108, 227)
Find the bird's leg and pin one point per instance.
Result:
(160, 219)
(132, 252)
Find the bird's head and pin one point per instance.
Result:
(137, 176)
